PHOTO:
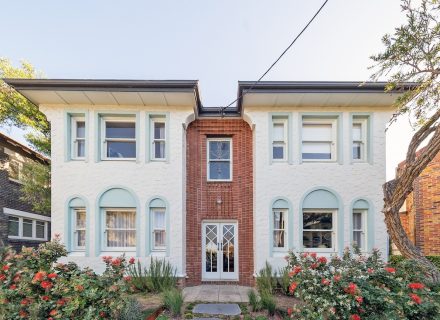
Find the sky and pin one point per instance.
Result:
(215, 42)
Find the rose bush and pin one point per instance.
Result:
(33, 285)
(356, 287)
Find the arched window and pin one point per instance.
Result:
(280, 236)
(117, 220)
(321, 221)
(361, 219)
(76, 225)
(158, 210)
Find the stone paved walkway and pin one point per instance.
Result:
(225, 309)
(216, 293)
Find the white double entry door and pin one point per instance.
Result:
(219, 251)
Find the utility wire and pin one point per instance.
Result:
(222, 109)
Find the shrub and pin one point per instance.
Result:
(173, 300)
(357, 285)
(254, 301)
(138, 277)
(132, 310)
(33, 285)
(161, 275)
(266, 279)
(268, 302)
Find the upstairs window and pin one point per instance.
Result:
(78, 134)
(279, 139)
(119, 138)
(219, 159)
(359, 139)
(319, 138)
(158, 135)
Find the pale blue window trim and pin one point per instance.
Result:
(287, 116)
(367, 206)
(323, 198)
(285, 204)
(98, 130)
(68, 116)
(368, 116)
(73, 203)
(116, 197)
(323, 116)
(151, 116)
(157, 202)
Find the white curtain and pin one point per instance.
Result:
(121, 228)
(80, 228)
(159, 227)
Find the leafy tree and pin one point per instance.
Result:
(412, 54)
(36, 186)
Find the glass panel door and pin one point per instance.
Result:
(210, 253)
(229, 251)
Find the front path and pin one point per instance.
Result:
(216, 293)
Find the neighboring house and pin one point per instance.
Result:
(420, 215)
(19, 224)
(142, 168)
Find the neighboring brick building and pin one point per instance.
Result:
(420, 215)
(19, 224)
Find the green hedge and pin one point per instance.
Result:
(395, 260)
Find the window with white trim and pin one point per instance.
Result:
(158, 220)
(118, 138)
(279, 229)
(319, 230)
(279, 139)
(79, 229)
(359, 226)
(319, 139)
(78, 137)
(24, 228)
(219, 159)
(359, 139)
(158, 137)
(119, 229)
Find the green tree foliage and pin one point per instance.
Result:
(36, 186)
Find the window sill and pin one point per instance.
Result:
(120, 159)
(26, 239)
(77, 253)
(128, 253)
(219, 181)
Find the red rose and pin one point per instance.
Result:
(2, 277)
(313, 255)
(45, 298)
(102, 314)
(39, 276)
(369, 270)
(53, 312)
(351, 289)
(304, 254)
(12, 287)
(322, 260)
(416, 285)
(297, 269)
(359, 300)
(355, 317)
(390, 270)
(292, 287)
(131, 261)
(415, 298)
(23, 314)
(325, 282)
(289, 311)
(107, 259)
(79, 288)
(336, 277)
(116, 262)
(24, 302)
(52, 275)
(61, 302)
(127, 278)
(313, 265)
(46, 284)
(16, 278)
(5, 268)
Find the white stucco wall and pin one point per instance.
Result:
(146, 179)
(292, 181)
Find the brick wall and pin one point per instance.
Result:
(236, 196)
(421, 220)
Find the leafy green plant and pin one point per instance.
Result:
(284, 279)
(254, 301)
(161, 275)
(132, 310)
(138, 277)
(268, 302)
(173, 300)
(266, 279)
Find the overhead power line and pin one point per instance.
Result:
(222, 109)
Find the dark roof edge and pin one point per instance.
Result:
(24, 148)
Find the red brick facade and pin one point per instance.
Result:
(236, 196)
(421, 218)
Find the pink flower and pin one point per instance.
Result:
(39, 276)
(79, 288)
(336, 277)
(12, 287)
(415, 298)
(369, 270)
(359, 299)
(322, 260)
(107, 259)
(127, 278)
(351, 289)
(53, 312)
(131, 261)
(416, 285)
(289, 311)
(2, 277)
(325, 282)
(116, 262)
(313, 265)
(313, 255)
(5, 268)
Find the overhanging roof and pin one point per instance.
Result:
(108, 92)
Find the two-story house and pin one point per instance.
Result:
(20, 225)
(143, 168)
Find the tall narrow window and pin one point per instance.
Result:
(219, 160)
(158, 134)
(119, 138)
(319, 137)
(79, 223)
(120, 229)
(318, 228)
(159, 228)
(279, 139)
(359, 139)
(279, 228)
(78, 143)
(359, 222)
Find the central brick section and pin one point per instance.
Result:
(236, 196)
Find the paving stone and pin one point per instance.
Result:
(208, 318)
(226, 309)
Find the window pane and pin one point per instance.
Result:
(357, 220)
(81, 238)
(121, 219)
(159, 149)
(318, 220)
(358, 239)
(13, 226)
(121, 238)
(357, 150)
(121, 149)
(159, 219)
(80, 129)
(120, 130)
(159, 238)
(316, 150)
(159, 130)
(219, 150)
(278, 152)
(40, 229)
(27, 228)
(317, 239)
(357, 132)
(80, 219)
(278, 132)
(81, 148)
(219, 170)
(317, 132)
(278, 239)
(278, 220)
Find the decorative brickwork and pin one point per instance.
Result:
(236, 196)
